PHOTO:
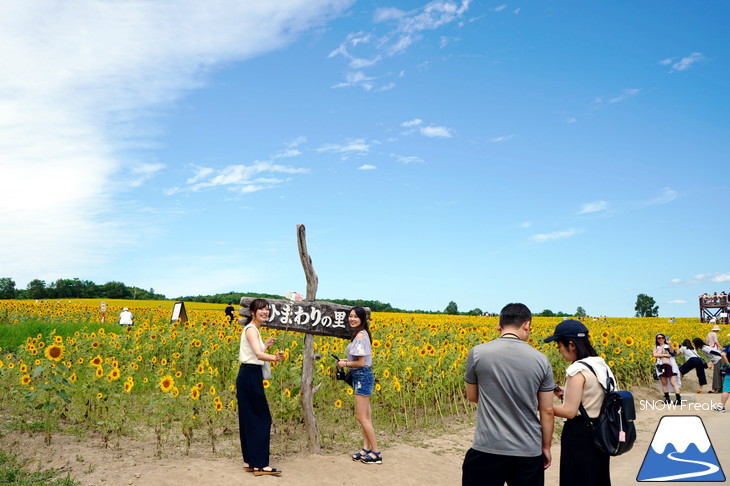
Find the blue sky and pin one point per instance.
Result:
(560, 154)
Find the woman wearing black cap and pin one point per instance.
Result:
(580, 462)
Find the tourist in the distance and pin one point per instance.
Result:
(581, 464)
(229, 311)
(692, 361)
(359, 359)
(715, 361)
(126, 318)
(667, 367)
(254, 418)
(725, 354)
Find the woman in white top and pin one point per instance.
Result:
(715, 357)
(254, 418)
(667, 367)
(693, 361)
(581, 463)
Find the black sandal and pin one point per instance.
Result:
(359, 455)
(263, 472)
(372, 458)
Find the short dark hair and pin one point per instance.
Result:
(583, 347)
(514, 315)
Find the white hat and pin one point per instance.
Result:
(127, 308)
(714, 328)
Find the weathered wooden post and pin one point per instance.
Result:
(310, 421)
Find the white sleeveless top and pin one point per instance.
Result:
(245, 354)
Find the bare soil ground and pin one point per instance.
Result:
(415, 461)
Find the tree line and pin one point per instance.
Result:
(74, 288)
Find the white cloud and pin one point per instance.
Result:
(408, 159)
(667, 195)
(241, 178)
(366, 167)
(686, 62)
(388, 13)
(412, 123)
(503, 138)
(78, 79)
(555, 235)
(677, 301)
(570, 120)
(723, 277)
(626, 94)
(593, 207)
(665, 62)
(352, 147)
(526, 224)
(143, 172)
(433, 131)
(357, 78)
(403, 29)
(499, 8)
(676, 280)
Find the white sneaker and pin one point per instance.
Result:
(718, 408)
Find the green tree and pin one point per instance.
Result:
(7, 288)
(451, 308)
(475, 312)
(645, 306)
(580, 312)
(547, 313)
(37, 289)
(116, 290)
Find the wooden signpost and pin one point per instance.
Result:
(178, 312)
(320, 318)
(311, 318)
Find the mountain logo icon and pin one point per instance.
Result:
(681, 451)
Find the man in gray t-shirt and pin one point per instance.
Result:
(510, 381)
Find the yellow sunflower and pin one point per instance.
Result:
(54, 352)
(128, 385)
(267, 383)
(25, 380)
(338, 403)
(195, 393)
(166, 383)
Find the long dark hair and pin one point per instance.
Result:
(364, 324)
(583, 347)
(699, 343)
(687, 344)
(255, 305)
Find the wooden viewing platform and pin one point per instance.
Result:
(714, 307)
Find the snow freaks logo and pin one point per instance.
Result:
(681, 450)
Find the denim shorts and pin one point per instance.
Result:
(726, 383)
(363, 381)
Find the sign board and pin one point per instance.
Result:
(178, 312)
(319, 317)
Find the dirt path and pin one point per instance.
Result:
(434, 461)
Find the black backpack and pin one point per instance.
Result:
(613, 430)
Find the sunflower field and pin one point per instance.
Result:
(176, 380)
